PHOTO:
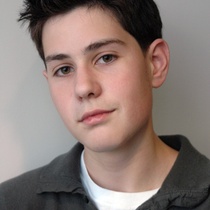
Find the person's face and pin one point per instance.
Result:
(99, 79)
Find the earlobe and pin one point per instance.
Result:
(159, 58)
(45, 74)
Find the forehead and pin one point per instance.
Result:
(81, 25)
(81, 16)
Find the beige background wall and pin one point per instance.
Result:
(31, 132)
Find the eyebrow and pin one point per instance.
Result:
(96, 45)
(56, 57)
(92, 47)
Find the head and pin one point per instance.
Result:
(103, 57)
(140, 18)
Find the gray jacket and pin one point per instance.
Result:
(57, 186)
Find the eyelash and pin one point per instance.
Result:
(113, 57)
(66, 70)
(60, 72)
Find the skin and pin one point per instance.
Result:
(101, 84)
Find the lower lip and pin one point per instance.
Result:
(96, 119)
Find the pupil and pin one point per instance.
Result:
(107, 58)
(65, 70)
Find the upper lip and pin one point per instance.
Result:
(94, 112)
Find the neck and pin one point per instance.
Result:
(140, 167)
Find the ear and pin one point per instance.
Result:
(45, 74)
(159, 58)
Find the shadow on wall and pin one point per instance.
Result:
(33, 133)
(182, 104)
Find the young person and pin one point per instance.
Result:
(103, 58)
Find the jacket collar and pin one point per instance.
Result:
(63, 173)
(191, 169)
(187, 184)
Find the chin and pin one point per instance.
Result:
(102, 145)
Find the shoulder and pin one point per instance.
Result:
(24, 189)
(20, 188)
(191, 169)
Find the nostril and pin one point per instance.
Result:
(90, 94)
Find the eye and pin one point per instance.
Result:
(63, 71)
(106, 59)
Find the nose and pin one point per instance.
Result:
(87, 84)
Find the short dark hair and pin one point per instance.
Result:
(140, 18)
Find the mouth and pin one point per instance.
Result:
(95, 117)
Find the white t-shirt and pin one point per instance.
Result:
(111, 200)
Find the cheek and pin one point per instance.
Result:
(135, 93)
(56, 96)
(133, 86)
(62, 99)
